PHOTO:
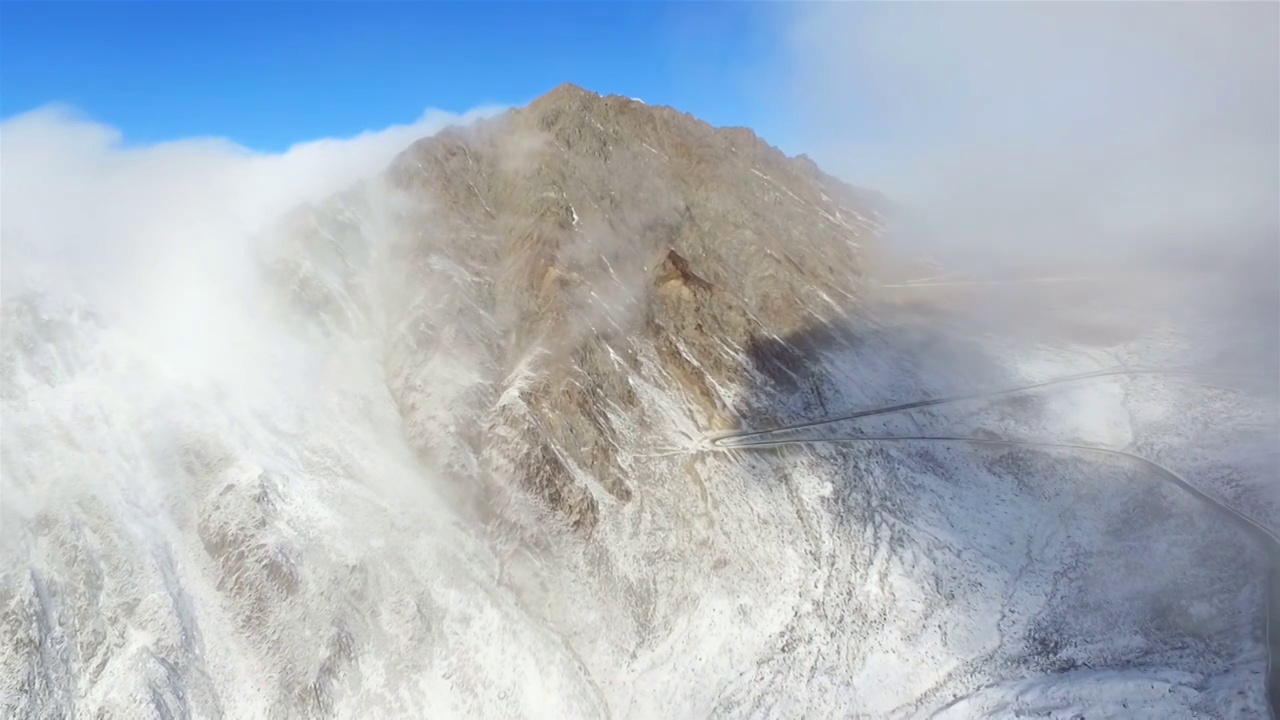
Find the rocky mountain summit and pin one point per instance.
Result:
(588, 241)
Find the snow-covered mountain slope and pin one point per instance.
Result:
(1087, 585)
(446, 456)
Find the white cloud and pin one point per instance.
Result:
(1049, 128)
(164, 240)
(74, 199)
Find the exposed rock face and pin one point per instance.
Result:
(587, 241)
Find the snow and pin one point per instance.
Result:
(1016, 541)
(178, 502)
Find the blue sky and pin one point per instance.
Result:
(269, 74)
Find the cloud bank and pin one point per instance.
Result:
(1050, 130)
(167, 238)
(76, 201)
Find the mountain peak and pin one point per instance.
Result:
(565, 96)
(609, 241)
(579, 102)
(567, 90)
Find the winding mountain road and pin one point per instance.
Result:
(718, 440)
(770, 438)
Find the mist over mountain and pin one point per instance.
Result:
(450, 432)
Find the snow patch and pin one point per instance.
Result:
(652, 150)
